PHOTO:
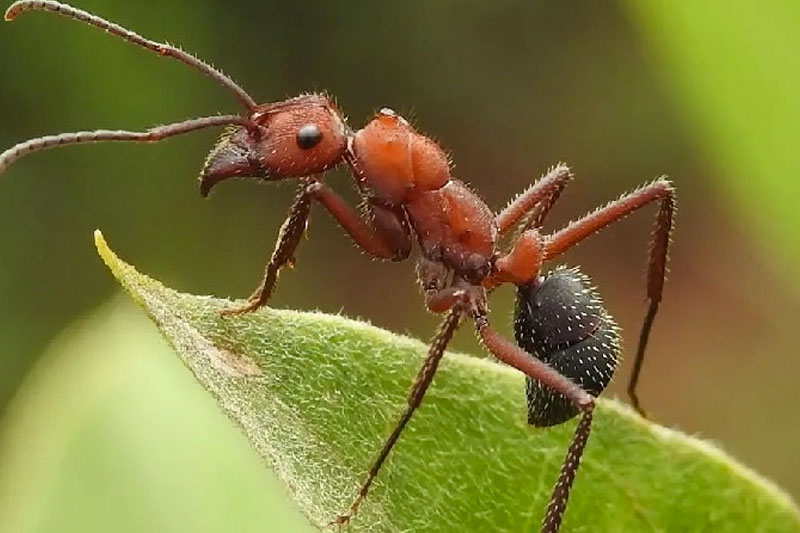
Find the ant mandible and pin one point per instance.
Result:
(569, 343)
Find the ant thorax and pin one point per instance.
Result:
(455, 227)
(400, 166)
(394, 161)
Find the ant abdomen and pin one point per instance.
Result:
(561, 320)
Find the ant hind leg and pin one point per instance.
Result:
(660, 190)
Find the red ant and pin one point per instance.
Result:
(569, 342)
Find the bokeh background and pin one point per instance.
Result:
(102, 430)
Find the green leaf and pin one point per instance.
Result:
(317, 394)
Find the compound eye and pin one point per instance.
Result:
(308, 136)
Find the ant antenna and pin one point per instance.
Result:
(83, 137)
(161, 49)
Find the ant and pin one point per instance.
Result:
(567, 343)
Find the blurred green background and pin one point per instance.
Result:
(109, 433)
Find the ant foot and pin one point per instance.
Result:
(341, 520)
(636, 406)
(249, 307)
(344, 519)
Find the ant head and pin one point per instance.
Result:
(294, 138)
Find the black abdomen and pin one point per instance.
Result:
(561, 320)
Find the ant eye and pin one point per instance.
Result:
(308, 136)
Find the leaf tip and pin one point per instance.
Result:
(125, 274)
(106, 254)
(101, 244)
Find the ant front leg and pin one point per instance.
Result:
(288, 238)
(386, 235)
(418, 390)
(659, 190)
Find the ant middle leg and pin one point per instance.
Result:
(659, 190)
(527, 211)
(535, 201)
(386, 235)
(415, 396)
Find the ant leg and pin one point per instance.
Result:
(441, 300)
(386, 236)
(541, 195)
(288, 238)
(418, 389)
(522, 264)
(560, 241)
(513, 355)
(560, 496)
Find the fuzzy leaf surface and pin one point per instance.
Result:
(317, 394)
